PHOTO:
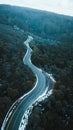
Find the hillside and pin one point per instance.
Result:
(52, 51)
(41, 23)
(15, 78)
(56, 112)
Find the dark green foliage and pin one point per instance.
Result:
(53, 52)
(57, 59)
(56, 112)
(41, 23)
(15, 78)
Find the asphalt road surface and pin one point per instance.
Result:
(40, 86)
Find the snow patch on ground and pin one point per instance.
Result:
(42, 97)
(26, 115)
(13, 107)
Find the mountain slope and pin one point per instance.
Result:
(15, 78)
(41, 23)
(47, 29)
(56, 112)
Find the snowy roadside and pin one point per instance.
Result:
(42, 97)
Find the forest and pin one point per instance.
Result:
(15, 78)
(56, 112)
(41, 23)
(52, 51)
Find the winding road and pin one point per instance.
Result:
(13, 122)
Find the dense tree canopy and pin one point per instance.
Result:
(52, 51)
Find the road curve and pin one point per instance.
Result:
(14, 120)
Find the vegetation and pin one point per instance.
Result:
(56, 59)
(56, 112)
(41, 23)
(53, 52)
(15, 77)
